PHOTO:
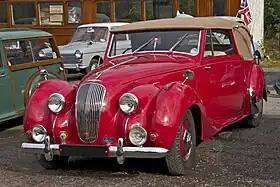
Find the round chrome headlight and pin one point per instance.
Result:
(138, 135)
(56, 102)
(78, 54)
(42, 54)
(128, 103)
(39, 133)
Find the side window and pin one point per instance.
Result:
(42, 49)
(29, 51)
(18, 52)
(121, 37)
(221, 43)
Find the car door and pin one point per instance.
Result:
(224, 76)
(6, 90)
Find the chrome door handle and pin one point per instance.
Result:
(207, 67)
(3, 75)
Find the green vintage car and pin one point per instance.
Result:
(23, 66)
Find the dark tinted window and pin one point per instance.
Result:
(24, 13)
(158, 9)
(128, 10)
(3, 12)
(219, 7)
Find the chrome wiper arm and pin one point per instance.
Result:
(144, 45)
(177, 43)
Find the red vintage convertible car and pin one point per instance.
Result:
(157, 95)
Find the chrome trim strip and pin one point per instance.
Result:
(39, 148)
(139, 152)
(74, 66)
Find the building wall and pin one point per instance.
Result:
(257, 13)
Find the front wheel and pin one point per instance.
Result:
(57, 162)
(92, 65)
(181, 157)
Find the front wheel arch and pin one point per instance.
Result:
(98, 58)
(30, 86)
(195, 110)
(173, 111)
(95, 59)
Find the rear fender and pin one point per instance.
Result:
(171, 105)
(257, 89)
(257, 82)
(37, 111)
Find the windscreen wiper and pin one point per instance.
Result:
(144, 45)
(177, 43)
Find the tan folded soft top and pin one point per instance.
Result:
(241, 32)
(177, 24)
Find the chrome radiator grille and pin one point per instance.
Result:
(69, 58)
(88, 110)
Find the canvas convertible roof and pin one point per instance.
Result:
(173, 24)
(241, 33)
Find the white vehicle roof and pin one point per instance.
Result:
(109, 25)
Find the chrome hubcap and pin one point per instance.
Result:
(93, 67)
(259, 106)
(187, 144)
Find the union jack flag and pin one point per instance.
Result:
(244, 10)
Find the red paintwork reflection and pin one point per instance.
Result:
(219, 95)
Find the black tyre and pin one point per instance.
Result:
(57, 162)
(181, 158)
(93, 64)
(254, 120)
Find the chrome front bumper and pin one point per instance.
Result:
(76, 66)
(119, 151)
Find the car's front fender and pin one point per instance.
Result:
(37, 111)
(171, 105)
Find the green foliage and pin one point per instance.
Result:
(271, 18)
(272, 32)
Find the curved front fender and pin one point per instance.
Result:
(171, 105)
(37, 111)
(32, 84)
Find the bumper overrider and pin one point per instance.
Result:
(120, 151)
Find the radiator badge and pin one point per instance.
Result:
(108, 140)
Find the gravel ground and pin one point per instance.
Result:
(237, 157)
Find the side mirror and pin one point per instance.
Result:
(258, 56)
(189, 75)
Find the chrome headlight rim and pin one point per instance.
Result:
(78, 54)
(44, 134)
(42, 54)
(140, 129)
(62, 102)
(134, 101)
